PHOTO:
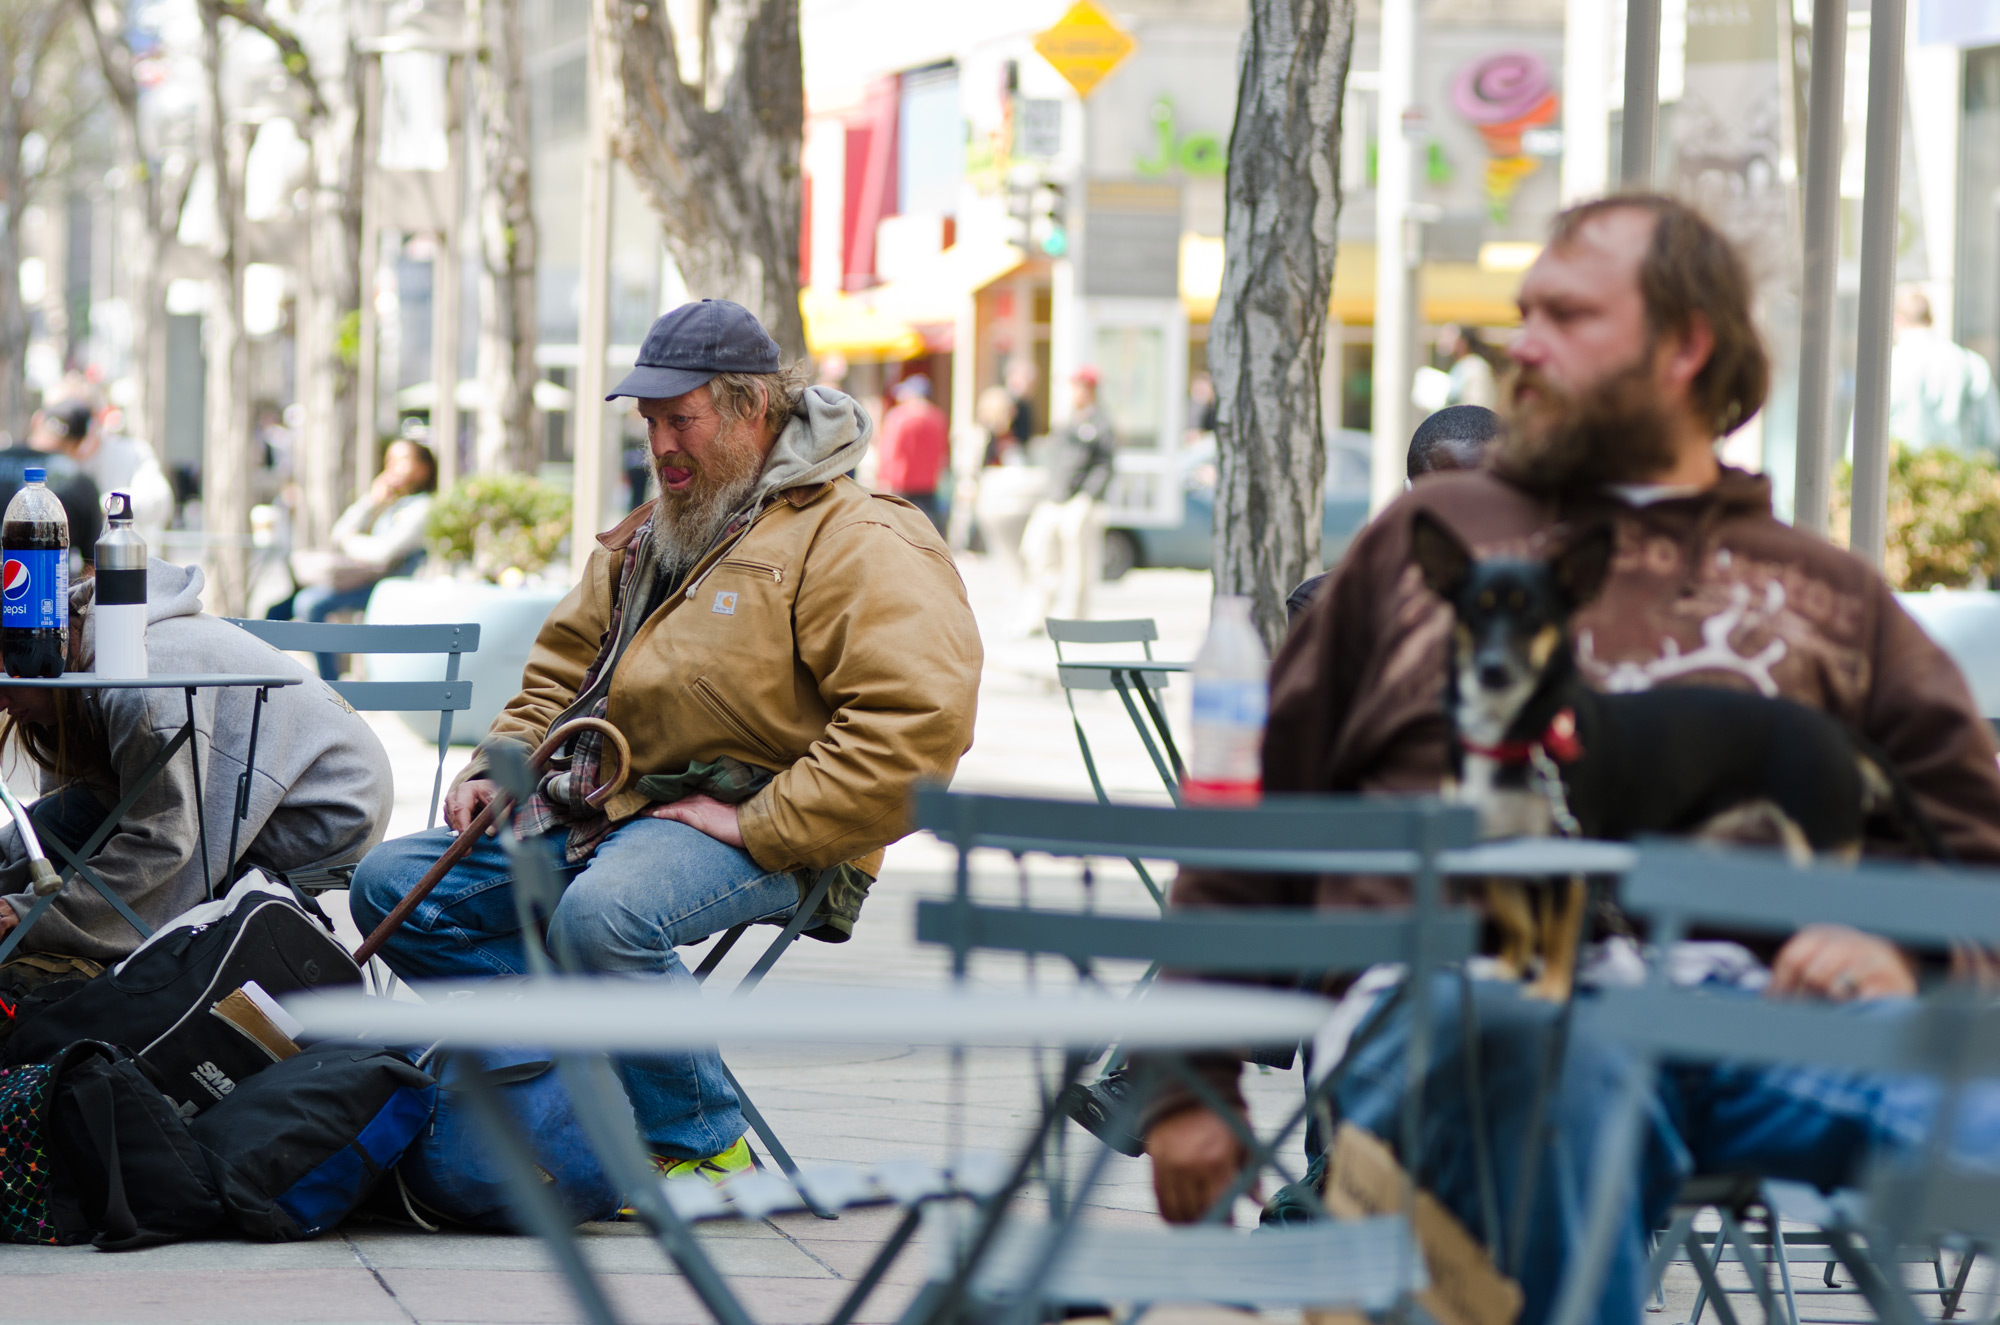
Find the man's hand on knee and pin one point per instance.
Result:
(466, 800)
(1196, 1155)
(705, 813)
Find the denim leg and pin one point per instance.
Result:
(466, 926)
(1820, 1125)
(655, 884)
(317, 603)
(1513, 1036)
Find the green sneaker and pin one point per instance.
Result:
(716, 1168)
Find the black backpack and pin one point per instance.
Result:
(159, 1003)
(298, 1146)
(90, 1150)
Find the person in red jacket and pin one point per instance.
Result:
(915, 443)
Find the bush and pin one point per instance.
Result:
(1944, 518)
(498, 523)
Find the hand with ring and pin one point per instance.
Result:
(1841, 965)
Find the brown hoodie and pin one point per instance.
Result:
(1706, 589)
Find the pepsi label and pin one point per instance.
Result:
(34, 589)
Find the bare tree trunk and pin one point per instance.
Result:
(225, 468)
(508, 429)
(1268, 337)
(330, 302)
(725, 182)
(24, 41)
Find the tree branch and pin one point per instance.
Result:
(252, 14)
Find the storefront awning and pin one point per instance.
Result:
(911, 315)
(851, 326)
(1450, 291)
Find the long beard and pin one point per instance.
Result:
(686, 524)
(1614, 431)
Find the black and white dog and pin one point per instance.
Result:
(1539, 752)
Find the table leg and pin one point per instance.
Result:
(592, 1088)
(80, 870)
(111, 821)
(200, 802)
(533, 1202)
(243, 779)
(27, 923)
(936, 1308)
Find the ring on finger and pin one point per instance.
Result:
(1845, 985)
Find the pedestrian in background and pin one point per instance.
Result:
(915, 444)
(1063, 544)
(1940, 393)
(378, 536)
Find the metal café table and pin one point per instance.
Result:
(583, 1019)
(188, 683)
(1143, 678)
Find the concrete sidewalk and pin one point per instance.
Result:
(830, 1104)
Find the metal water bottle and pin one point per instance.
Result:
(120, 611)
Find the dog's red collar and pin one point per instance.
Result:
(1558, 740)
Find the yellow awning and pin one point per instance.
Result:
(881, 324)
(851, 326)
(1449, 291)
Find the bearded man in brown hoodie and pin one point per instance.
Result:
(1636, 353)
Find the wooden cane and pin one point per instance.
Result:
(493, 809)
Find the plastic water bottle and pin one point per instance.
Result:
(1231, 694)
(121, 593)
(34, 580)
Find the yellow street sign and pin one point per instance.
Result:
(1084, 46)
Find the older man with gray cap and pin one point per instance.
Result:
(786, 654)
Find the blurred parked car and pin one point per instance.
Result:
(1188, 544)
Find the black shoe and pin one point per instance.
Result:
(1104, 1109)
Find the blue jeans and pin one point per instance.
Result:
(651, 885)
(317, 603)
(1808, 1125)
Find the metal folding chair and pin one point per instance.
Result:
(1677, 887)
(448, 696)
(1135, 690)
(1289, 835)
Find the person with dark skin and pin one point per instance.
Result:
(1453, 438)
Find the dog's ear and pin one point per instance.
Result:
(1581, 565)
(1439, 554)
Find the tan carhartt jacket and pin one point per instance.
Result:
(831, 642)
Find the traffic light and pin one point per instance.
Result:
(1047, 228)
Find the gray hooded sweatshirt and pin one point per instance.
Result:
(320, 794)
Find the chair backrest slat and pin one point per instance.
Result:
(1916, 904)
(1743, 1028)
(1140, 630)
(406, 696)
(1231, 943)
(1281, 833)
(357, 637)
(1075, 677)
(444, 698)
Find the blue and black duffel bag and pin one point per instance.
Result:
(453, 1169)
(296, 1147)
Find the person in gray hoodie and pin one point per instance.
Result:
(320, 794)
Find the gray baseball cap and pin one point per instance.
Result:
(688, 346)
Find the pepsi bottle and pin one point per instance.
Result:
(34, 580)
